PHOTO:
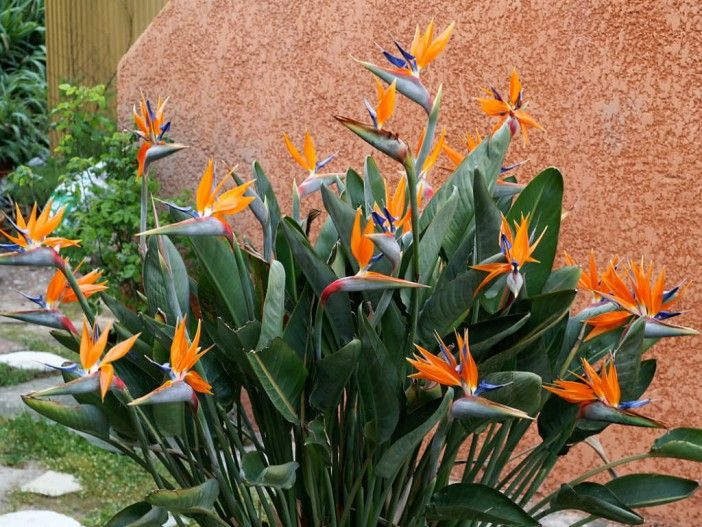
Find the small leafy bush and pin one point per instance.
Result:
(93, 168)
(23, 90)
(386, 372)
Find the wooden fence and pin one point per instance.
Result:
(85, 39)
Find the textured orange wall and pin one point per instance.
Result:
(616, 85)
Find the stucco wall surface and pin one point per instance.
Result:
(615, 84)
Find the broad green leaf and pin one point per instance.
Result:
(140, 514)
(319, 275)
(487, 333)
(166, 281)
(594, 499)
(432, 237)
(254, 471)
(546, 311)
(373, 184)
(562, 278)
(448, 305)
(628, 358)
(218, 260)
(400, 450)
(680, 443)
(650, 490)
(487, 159)
(379, 386)
(274, 306)
(193, 500)
(488, 220)
(541, 200)
(234, 345)
(343, 217)
(647, 371)
(333, 373)
(265, 191)
(282, 375)
(476, 502)
(354, 189)
(83, 417)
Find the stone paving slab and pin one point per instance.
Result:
(11, 478)
(7, 346)
(33, 360)
(37, 518)
(52, 484)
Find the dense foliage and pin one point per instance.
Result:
(23, 92)
(385, 372)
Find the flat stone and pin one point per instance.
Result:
(25, 518)
(11, 477)
(567, 518)
(52, 484)
(32, 360)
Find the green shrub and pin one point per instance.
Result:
(23, 92)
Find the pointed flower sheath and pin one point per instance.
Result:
(308, 160)
(375, 135)
(95, 371)
(32, 243)
(212, 206)
(510, 109)
(517, 250)
(637, 295)
(362, 249)
(151, 128)
(445, 370)
(183, 383)
(599, 396)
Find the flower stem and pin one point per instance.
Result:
(71, 278)
(144, 211)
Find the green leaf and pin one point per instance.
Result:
(400, 450)
(282, 375)
(448, 305)
(542, 200)
(140, 514)
(628, 358)
(488, 220)
(379, 386)
(83, 417)
(650, 490)
(274, 306)
(218, 260)
(265, 191)
(255, 472)
(319, 275)
(373, 184)
(563, 278)
(333, 373)
(476, 502)
(166, 281)
(433, 236)
(193, 500)
(680, 443)
(487, 159)
(594, 499)
(343, 217)
(355, 191)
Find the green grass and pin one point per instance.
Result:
(110, 482)
(10, 376)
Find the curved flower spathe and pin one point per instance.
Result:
(151, 128)
(445, 370)
(637, 295)
(32, 244)
(183, 383)
(510, 109)
(308, 161)
(95, 371)
(59, 292)
(599, 396)
(212, 206)
(363, 243)
(517, 250)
